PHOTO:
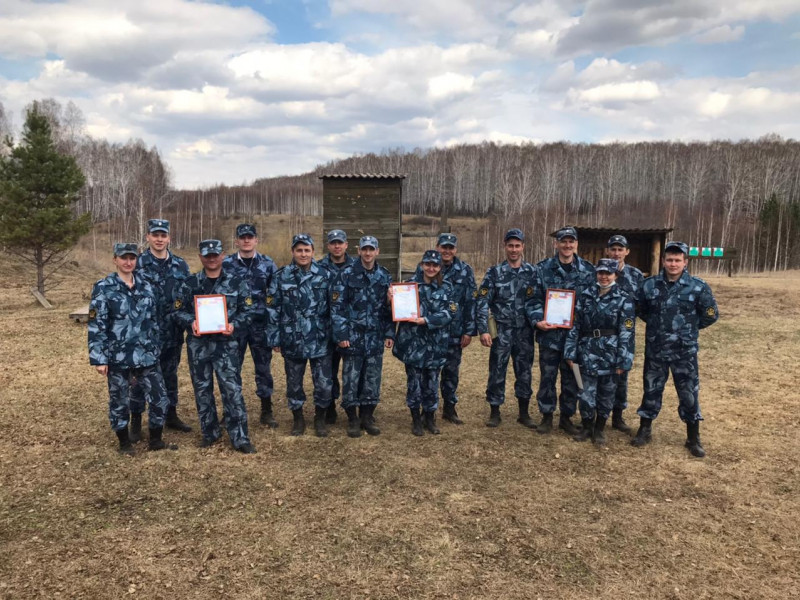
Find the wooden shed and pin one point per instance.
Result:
(366, 204)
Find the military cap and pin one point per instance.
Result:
(566, 232)
(514, 234)
(608, 265)
(447, 239)
(302, 238)
(336, 235)
(154, 225)
(246, 229)
(432, 256)
(619, 240)
(210, 247)
(368, 240)
(679, 246)
(123, 249)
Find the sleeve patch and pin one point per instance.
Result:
(335, 296)
(92, 314)
(710, 311)
(270, 300)
(453, 307)
(628, 323)
(178, 304)
(248, 301)
(529, 292)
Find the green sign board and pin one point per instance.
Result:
(704, 252)
(694, 251)
(718, 252)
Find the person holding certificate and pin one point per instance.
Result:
(212, 305)
(601, 342)
(422, 342)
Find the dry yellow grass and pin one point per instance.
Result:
(473, 513)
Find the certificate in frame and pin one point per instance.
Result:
(559, 308)
(211, 314)
(405, 302)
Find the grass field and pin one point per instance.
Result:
(472, 513)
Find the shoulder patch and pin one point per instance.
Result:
(92, 314)
(335, 296)
(178, 304)
(248, 301)
(628, 323)
(453, 307)
(710, 311)
(484, 291)
(270, 299)
(529, 291)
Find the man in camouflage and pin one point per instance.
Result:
(362, 326)
(257, 270)
(124, 346)
(216, 353)
(335, 261)
(629, 279)
(675, 306)
(299, 327)
(166, 273)
(565, 271)
(505, 291)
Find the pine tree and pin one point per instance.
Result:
(38, 189)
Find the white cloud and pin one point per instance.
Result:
(634, 91)
(720, 35)
(448, 85)
(714, 104)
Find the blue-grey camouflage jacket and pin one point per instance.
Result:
(505, 291)
(630, 279)
(462, 278)
(425, 346)
(360, 311)
(602, 354)
(123, 323)
(675, 314)
(553, 276)
(238, 302)
(298, 311)
(333, 267)
(166, 278)
(258, 276)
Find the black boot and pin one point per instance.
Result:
(429, 422)
(524, 418)
(156, 443)
(299, 425)
(565, 424)
(368, 420)
(267, 418)
(416, 422)
(330, 413)
(246, 448)
(586, 431)
(174, 422)
(449, 413)
(125, 446)
(598, 437)
(693, 439)
(353, 422)
(320, 429)
(135, 435)
(494, 416)
(618, 423)
(546, 426)
(645, 433)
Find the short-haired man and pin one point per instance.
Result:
(506, 289)
(675, 306)
(299, 327)
(362, 326)
(216, 353)
(165, 272)
(257, 270)
(563, 271)
(629, 280)
(335, 261)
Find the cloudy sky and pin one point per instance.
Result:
(231, 91)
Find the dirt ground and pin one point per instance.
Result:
(472, 513)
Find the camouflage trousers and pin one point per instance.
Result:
(515, 343)
(422, 388)
(361, 379)
(151, 387)
(551, 363)
(168, 362)
(256, 338)
(621, 395)
(336, 360)
(597, 397)
(686, 378)
(209, 357)
(320, 375)
(450, 373)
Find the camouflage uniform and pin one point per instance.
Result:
(629, 280)
(298, 321)
(218, 354)
(601, 341)
(551, 343)
(361, 315)
(336, 356)
(258, 275)
(506, 291)
(674, 314)
(124, 334)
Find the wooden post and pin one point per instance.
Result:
(42, 300)
(655, 257)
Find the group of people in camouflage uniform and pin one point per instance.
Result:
(337, 311)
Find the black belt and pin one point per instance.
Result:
(596, 333)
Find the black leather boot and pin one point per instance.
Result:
(135, 435)
(449, 413)
(693, 439)
(267, 418)
(598, 437)
(416, 422)
(494, 416)
(618, 423)
(246, 448)
(645, 433)
(353, 422)
(320, 429)
(546, 426)
(299, 424)
(125, 446)
(156, 443)
(368, 420)
(524, 418)
(330, 414)
(586, 431)
(429, 422)
(565, 424)
(173, 421)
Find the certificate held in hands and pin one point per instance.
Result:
(210, 314)
(559, 308)
(405, 302)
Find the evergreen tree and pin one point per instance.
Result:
(38, 189)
